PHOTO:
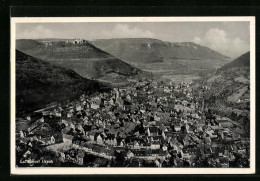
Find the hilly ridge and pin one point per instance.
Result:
(229, 80)
(227, 90)
(145, 50)
(85, 59)
(241, 61)
(120, 60)
(39, 83)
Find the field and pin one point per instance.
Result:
(182, 66)
(239, 93)
(180, 70)
(180, 78)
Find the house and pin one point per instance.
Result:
(158, 163)
(207, 140)
(128, 97)
(99, 139)
(78, 41)
(48, 140)
(136, 145)
(110, 151)
(168, 135)
(139, 153)
(176, 146)
(190, 128)
(78, 107)
(58, 137)
(164, 135)
(65, 122)
(80, 128)
(188, 152)
(155, 145)
(92, 136)
(21, 134)
(158, 138)
(177, 128)
(120, 102)
(71, 125)
(185, 103)
(95, 103)
(120, 149)
(61, 156)
(67, 138)
(223, 161)
(69, 114)
(114, 142)
(186, 141)
(214, 125)
(146, 145)
(185, 154)
(163, 128)
(157, 118)
(129, 154)
(178, 162)
(226, 135)
(35, 125)
(241, 149)
(27, 153)
(142, 109)
(108, 142)
(98, 149)
(87, 146)
(225, 123)
(80, 157)
(121, 143)
(152, 131)
(211, 133)
(126, 105)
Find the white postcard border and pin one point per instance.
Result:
(78, 170)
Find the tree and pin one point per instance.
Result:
(120, 159)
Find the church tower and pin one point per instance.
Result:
(117, 93)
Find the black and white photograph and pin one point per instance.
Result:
(133, 95)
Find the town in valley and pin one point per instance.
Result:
(131, 102)
(149, 124)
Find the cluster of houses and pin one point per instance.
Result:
(78, 41)
(51, 43)
(145, 121)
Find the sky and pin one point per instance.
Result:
(229, 38)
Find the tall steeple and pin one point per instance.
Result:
(117, 93)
